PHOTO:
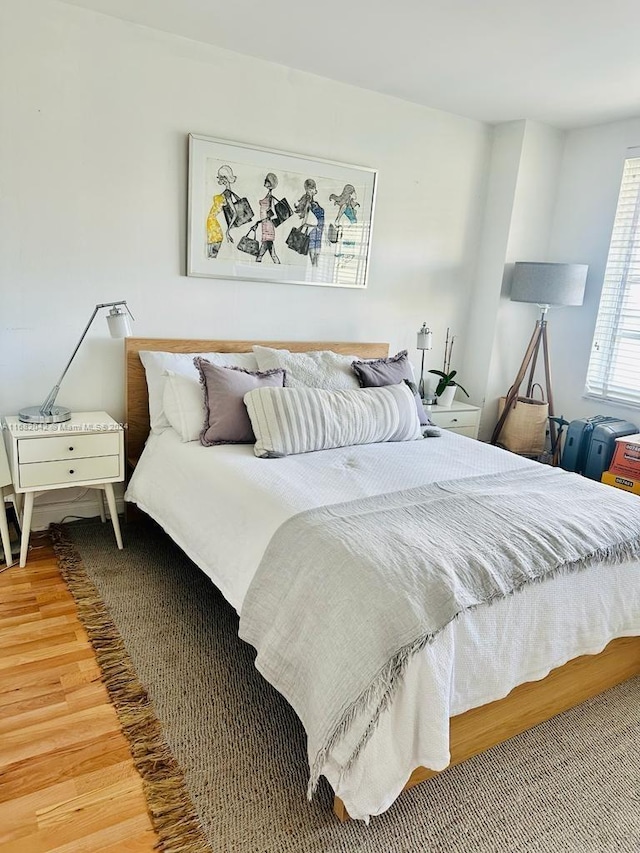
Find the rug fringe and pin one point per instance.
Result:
(170, 807)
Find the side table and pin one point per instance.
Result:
(459, 417)
(87, 450)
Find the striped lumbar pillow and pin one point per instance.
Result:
(297, 420)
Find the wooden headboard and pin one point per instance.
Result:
(136, 394)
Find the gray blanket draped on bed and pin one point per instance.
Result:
(346, 594)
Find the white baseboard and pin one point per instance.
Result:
(55, 511)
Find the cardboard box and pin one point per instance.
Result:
(621, 482)
(626, 457)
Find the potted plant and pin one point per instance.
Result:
(447, 386)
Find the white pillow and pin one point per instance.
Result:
(298, 420)
(155, 364)
(183, 404)
(314, 369)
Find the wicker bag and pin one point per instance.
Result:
(525, 429)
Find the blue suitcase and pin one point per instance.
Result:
(602, 446)
(577, 441)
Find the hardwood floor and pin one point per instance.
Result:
(67, 780)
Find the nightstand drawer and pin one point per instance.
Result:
(64, 473)
(56, 447)
(453, 420)
(470, 432)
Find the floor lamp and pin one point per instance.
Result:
(546, 285)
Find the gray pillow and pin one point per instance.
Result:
(300, 420)
(390, 371)
(226, 419)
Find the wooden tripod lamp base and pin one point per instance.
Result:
(529, 362)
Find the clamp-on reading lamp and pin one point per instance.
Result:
(48, 413)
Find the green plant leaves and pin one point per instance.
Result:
(445, 380)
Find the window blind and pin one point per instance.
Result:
(614, 365)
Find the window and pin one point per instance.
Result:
(614, 366)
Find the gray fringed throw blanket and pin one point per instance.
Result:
(346, 594)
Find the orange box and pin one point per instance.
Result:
(621, 482)
(626, 456)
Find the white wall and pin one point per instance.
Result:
(93, 184)
(481, 331)
(522, 181)
(528, 240)
(94, 198)
(587, 196)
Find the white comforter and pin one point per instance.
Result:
(222, 505)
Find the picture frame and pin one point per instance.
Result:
(257, 214)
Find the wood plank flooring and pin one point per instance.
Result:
(67, 780)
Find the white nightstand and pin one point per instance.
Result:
(87, 450)
(458, 417)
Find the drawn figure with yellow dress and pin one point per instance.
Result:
(214, 231)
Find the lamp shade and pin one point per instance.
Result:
(118, 321)
(548, 284)
(425, 338)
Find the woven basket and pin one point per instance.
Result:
(525, 428)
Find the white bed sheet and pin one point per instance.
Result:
(221, 505)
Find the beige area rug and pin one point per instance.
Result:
(572, 784)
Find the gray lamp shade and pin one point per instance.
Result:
(548, 284)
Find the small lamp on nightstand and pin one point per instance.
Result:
(424, 342)
(48, 413)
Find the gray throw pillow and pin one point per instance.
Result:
(226, 417)
(300, 420)
(390, 371)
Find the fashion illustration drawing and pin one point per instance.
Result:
(306, 205)
(267, 215)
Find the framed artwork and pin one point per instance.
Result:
(264, 215)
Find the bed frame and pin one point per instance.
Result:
(480, 728)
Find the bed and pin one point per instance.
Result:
(489, 676)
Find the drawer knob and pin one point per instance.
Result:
(71, 448)
(454, 420)
(71, 471)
